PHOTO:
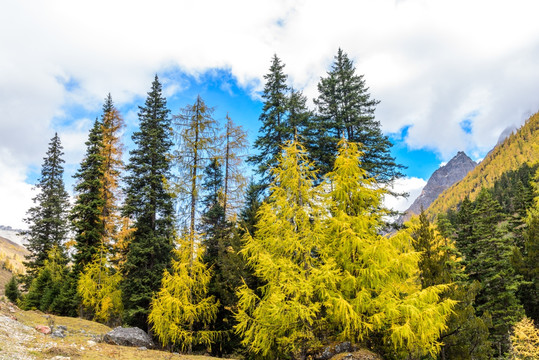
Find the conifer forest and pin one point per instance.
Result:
(179, 241)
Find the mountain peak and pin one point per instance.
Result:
(443, 178)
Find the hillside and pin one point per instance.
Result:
(519, 148)
(20, 340)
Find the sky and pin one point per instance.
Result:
(450, 75)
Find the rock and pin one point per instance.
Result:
(333, 349)
(357, 355)
(44, 329)
(142, 348)
(128, 337)
(59, 331)
(443, 178)
(91, 343)
(58, 334)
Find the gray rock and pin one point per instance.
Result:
(334, 349)
(443, 178)
(128, 337)
(58, 334)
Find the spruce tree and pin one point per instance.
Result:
(12, 289)
(345, 109)
(274, 131)
(213, 221)
(86, 213)
(466, 335)
(46, 287)
(492, 267)
(149, 205)
(47, 219)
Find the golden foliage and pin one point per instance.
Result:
(99, 288)
(182, 301)
(112, 165)
(326, 268)
(519, 148)
(525, 341)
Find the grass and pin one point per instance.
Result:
(79, 342)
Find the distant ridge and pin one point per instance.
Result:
(444, 177)
(518, 148)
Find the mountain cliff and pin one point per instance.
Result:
(454, 171)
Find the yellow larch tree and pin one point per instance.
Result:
(183, 303)
(525, 341)
(235, 147)
(327, 272)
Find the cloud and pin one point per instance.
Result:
(15, 194)
(431, 63)
(410, 185)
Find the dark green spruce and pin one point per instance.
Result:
(47, 219)
(274, 130)
(149, 204)
(86, 213)
(345, 109)
(487, 245)
(466, 336)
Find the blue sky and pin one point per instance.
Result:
(450, 75)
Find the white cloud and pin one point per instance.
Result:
(410, 185)
(15, 194)
(431, 63)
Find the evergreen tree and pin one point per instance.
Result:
(466, 335)
(213, 220)
(298, 114)
(47, 285)
(12, 289)
(492, 267)
(346, 110)
(529, 266)
(47, 223)
(274, 131)
(222, 243)
(251, 206)
(86, 213)
(149, 204)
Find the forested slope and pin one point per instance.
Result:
(519, 148)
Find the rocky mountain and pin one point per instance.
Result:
(521, 146)
(7, 232)
(443, 178)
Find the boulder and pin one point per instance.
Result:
(128, 337)
(43, 329)
(333, 349)
(357, 355)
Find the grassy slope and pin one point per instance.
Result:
(11, 261)
(76, 344)
(519, 148)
